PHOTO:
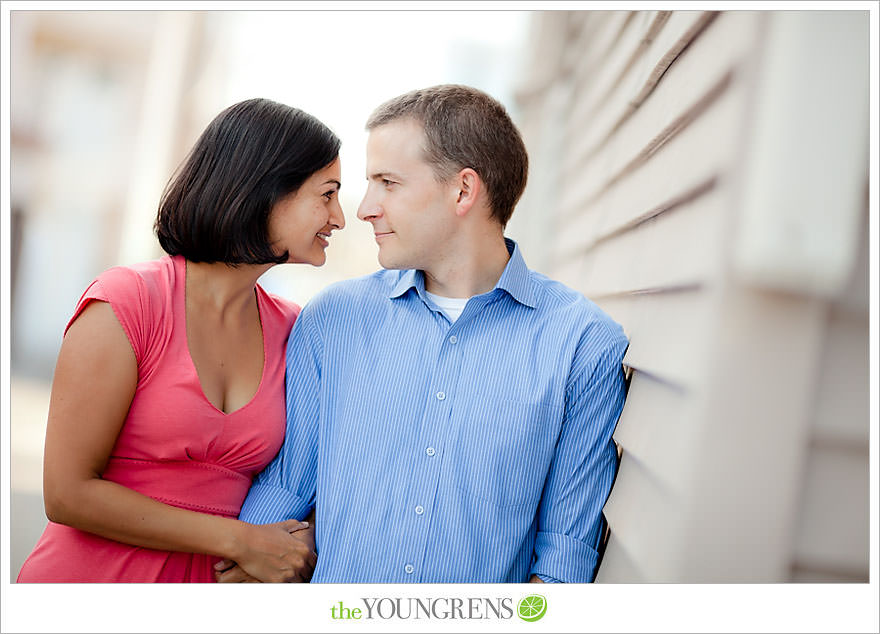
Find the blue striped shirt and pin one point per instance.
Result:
(478, 451)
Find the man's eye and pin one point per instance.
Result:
(387, 182)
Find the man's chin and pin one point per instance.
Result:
(391, 263)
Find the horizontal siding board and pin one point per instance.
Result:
(833, 527)
(594, 129)
(801, 574)
(594, 86)
(854, 297)
(670, 333)
(753, 436)
(674, 249)
(842, 396)
(580, 26)
(542, 68)
(686, 90)
(703, 152)
(595, 43)
(657, 427)
(618, 566)
(644, 517)
(632, 148)
(611, 97)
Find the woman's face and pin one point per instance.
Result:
(302, 221)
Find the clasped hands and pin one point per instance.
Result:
(280, 552)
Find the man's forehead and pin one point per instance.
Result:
(402, 127)
(390, 149)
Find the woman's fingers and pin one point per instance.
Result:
(223, 564)
(293, 525)
(234, 575)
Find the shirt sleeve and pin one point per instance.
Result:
(570, 521)
(285, 489)
(130, 301)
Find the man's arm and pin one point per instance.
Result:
(286, 487)
(570, 521)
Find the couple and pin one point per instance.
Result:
(448, 418)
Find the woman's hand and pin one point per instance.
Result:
(280, 552)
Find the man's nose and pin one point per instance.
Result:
(369, 207)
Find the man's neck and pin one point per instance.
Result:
(472, 269)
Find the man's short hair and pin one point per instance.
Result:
(216, 207)
(465, 127)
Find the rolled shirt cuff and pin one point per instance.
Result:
(560, 558)
(266, 504)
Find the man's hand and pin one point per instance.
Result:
(228, 571)
(536, 579)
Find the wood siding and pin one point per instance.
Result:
(744, 439)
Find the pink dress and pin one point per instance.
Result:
(174, 446)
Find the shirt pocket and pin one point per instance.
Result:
(502, 450)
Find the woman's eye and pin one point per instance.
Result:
(329, 195)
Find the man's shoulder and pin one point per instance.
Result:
(358, 292)
(556, 297)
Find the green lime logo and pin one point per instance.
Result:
(532, 608)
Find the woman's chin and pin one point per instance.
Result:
(314, 260)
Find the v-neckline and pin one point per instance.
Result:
(180, 273)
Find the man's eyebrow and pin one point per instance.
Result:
(383, 175)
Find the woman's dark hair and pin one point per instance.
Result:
(216, 206)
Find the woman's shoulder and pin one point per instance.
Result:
(279, 308)
(141, 296)
(153, 278)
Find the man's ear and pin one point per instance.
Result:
(469, 186)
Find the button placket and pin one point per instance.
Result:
(434, 430)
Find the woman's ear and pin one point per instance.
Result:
(469, 186)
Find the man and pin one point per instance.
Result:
(450, 416)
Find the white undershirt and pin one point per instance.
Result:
(451, 306)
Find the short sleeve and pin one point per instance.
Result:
(126, 292)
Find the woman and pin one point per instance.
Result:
(168, 395)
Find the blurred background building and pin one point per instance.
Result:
(702, 176)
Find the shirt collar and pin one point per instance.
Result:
(410, 278)
(514, 279)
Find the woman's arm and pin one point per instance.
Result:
(94, 384)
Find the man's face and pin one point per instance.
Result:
(411, 213)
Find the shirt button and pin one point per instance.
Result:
(441, 396)
(453, 340)
(408, 569)
(430, 451)
(419, 510)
